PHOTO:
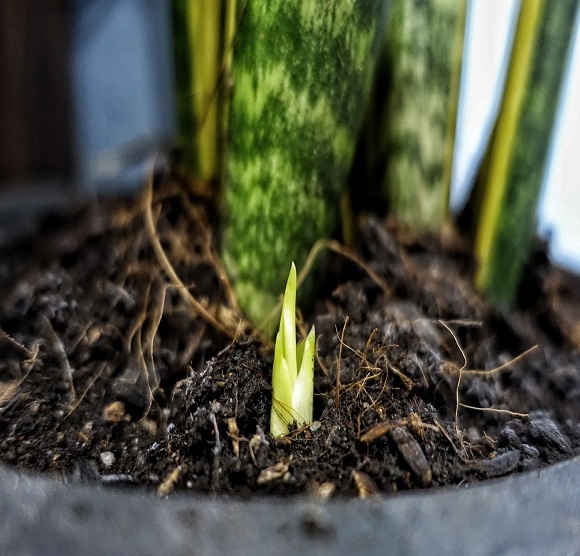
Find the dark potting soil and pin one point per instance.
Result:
(108, 374)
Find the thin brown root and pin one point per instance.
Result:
(359, 354)
(369, 340)
(79, 399)
(191, 347)
(29, 354)
(503, 367)
(457, 403)
(199, 309)
(462, 371)
(347, 253)
(143, 369)
(156, 314)
(338, 363)
(210, 253)
(319, 360)
(494, 410)
(231, 344)
(134, 345)
(60, 353)
(459, 452)
(340, 249)
(138, 321)
(403, 377)
(374, 403)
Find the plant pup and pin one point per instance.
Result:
(293, 371)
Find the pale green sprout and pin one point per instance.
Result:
(293, 372)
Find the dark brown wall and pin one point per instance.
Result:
(34, 105)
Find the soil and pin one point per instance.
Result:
(108, 373)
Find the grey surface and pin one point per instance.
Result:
(24, 202)
(533, 514)
(122, 91)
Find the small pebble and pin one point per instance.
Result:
(274, 473)
(323, 490)
(315, 426)
(545, 430)
(364, 484)
(530, 451)
(107, 459)
(511, 438)
(501, 464)
(114, 412)
(411, 450)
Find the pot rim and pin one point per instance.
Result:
(532, 513)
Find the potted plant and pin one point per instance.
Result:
(418, 380)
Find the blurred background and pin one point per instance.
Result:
(88, 97)
(86, 100)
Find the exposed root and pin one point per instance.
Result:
(138, 321)
(27, 353)
(155, 316)
(402, 376)
(457, 402)
(347, 253)
(209, 253)
(324, 368)
(200, 311)
(460, 453)
(338, 363)
(463, 371)
(503, 367)
(191, 347)
(143, 370)
(9, 389)
(340, 249)
(79, 399)
(60, 354)
(494, 410)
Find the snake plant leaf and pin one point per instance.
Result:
(512, 172)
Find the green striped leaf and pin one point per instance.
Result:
(301, 73)
(513, 170)
(423, 50)
(199, 41)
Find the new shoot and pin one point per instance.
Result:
(293, 372)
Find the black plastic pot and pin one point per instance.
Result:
(536, 513)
